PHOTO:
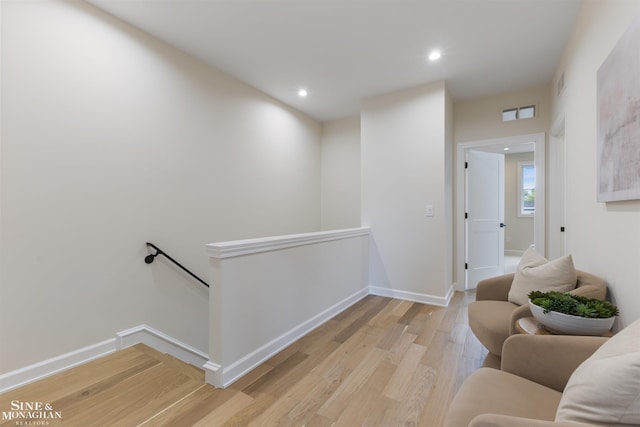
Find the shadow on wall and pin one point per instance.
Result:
(378, 278)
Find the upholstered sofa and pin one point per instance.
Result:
(492, 317)
(554, 381)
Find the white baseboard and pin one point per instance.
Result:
(450, 292)
(213, 374)
(40, 370)
(162, 342)
(140, 334)
(222, 377)
(413, 296)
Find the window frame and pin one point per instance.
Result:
(520, 193)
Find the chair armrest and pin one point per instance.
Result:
(589, 291)
(518, 313)
(547, 359)
(494, 288)
(494, 420)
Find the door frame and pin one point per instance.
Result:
(539, 231)
(557, 195)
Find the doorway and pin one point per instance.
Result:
(465, 278)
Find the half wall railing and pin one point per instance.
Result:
(271, 291)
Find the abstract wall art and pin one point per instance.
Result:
(618, 101)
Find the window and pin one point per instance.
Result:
(526, 189)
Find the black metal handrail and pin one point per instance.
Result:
(149, 259)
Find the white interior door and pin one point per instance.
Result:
(485, 216)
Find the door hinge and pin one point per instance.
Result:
(466, 266)
(562, 229)
(466, 165)
(466, 215)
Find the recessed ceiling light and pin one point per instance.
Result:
(302, 93)
(506, 148)
(435, 55)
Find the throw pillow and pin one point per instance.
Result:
(605, 389)
(535, 273)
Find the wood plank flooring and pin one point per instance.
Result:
(382, 362)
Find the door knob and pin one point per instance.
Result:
(503, 225)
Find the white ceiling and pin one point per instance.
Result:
(344, 51)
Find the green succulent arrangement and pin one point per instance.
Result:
(574, 305)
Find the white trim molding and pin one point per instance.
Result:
(162, 342)
(252, 246)
(213, 373)
(46, 368)
(413, 296)
(140, 334)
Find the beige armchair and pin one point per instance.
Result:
(492, 317)
(528, 389)
(554, 381)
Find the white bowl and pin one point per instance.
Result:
(561, 323)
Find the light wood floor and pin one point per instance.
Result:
(382, 362)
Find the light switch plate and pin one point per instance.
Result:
(428, 211)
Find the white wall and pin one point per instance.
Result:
(604, 238)
(341, 173)
(518, 234)
(111, 139)
(404, 168)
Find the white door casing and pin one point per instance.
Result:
(538, 139)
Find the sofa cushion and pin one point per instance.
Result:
(535, 273)
(492, 391)
(605, 388)
(490, 322)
